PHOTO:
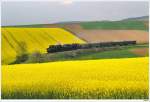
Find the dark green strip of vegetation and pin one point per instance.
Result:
(131, 25)
(109, 55)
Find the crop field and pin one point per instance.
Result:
(114, 35)
(138, 25)
(125, 78)
(107, 25)
(34, 39)
(106, 35)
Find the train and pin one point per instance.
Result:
(75, 46)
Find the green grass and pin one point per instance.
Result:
(119, 53)
(146, 45)
(108, 55)
(133, 25)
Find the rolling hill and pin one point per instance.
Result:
(32, 39)
(142, 18)
(135, 23)
(37, 37)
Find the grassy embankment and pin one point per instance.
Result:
(89, 54)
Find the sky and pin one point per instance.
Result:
(45, 12)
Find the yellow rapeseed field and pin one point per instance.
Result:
(35, 39)
(125, 78)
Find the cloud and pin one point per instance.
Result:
(66, 2)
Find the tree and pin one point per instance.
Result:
(36, 57)
(22, 54)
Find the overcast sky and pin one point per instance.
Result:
(28, 12)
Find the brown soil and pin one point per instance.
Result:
(93, 36)
(141, 51)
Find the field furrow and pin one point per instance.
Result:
(33, 40)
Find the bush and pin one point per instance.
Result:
(35, 57)
(22, 54)
(70, 54)
(20, 59)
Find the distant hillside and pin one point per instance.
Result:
(137, 23)
(125, 24)
(143, 18)
(30, 26)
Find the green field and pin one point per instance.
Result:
(124, 52)
(129, 25)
